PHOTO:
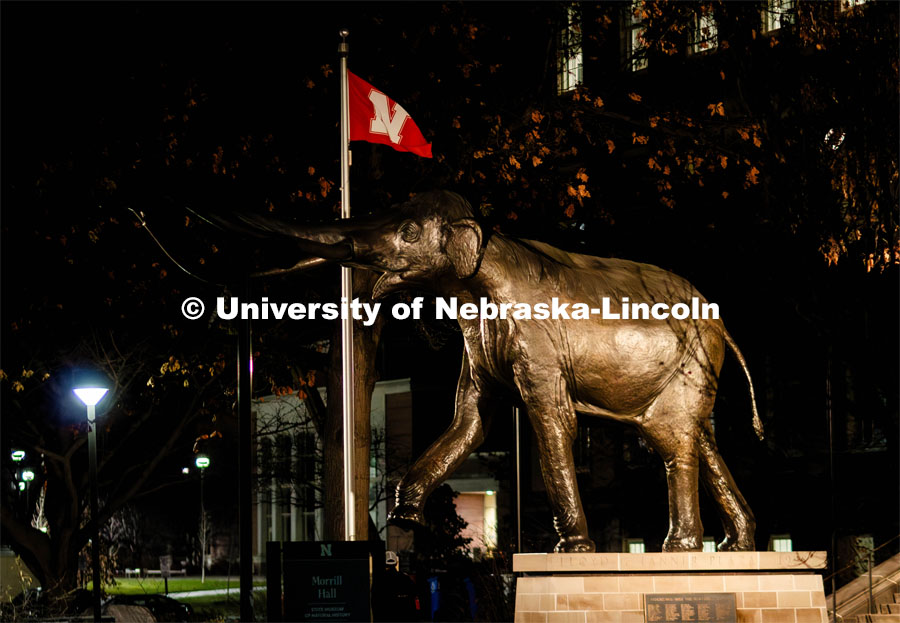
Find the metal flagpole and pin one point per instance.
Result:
(349, 377)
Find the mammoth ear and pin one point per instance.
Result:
(463, 246)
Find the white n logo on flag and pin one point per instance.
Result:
(387, 121)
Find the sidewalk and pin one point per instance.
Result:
(213, 591)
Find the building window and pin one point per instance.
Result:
(781, 543)
(304, 495)
(705, 33)
(490, 519)
(635, 42)
(634, 546)
(778, 14)
(283, 465)
(569, 55)
(305, 468)
(864, 548)
(286, 523)
(849, 4)
(709, 544)
(479, 510)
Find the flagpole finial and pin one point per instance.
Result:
(343, 48)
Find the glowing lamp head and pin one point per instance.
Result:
(202, 462)
(90, 395)
(27, 475)
(18, 455)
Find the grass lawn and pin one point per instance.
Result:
(207, 607)
(136, 586)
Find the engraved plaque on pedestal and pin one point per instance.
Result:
(690, 608)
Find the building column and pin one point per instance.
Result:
(276, 512)
(295, 499)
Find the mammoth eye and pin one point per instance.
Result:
(409, 231)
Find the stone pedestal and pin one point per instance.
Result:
(767, 587)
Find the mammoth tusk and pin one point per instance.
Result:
(310, 262)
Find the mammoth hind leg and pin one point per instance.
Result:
(737, 518)
(670, 430)
(685, 528)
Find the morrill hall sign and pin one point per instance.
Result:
(327, 581)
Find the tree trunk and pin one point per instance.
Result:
(365, 346)
(333, 467)
(53, 560)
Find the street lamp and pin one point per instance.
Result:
(202, 462)
(90, 396)
(27, 476)
(18, 456)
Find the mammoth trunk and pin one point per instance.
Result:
(336, 251)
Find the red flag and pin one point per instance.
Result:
(376, 118)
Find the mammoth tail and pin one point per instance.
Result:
(757, 423)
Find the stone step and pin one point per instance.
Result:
(889, 608)
(878, 618)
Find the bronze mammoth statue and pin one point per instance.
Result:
(659, 376)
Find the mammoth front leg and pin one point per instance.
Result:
(445, 455)
(552, 415)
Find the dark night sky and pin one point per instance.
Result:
(71, 66)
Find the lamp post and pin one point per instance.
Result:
(27, 477)
(18, 456)
(202, 462)
(90, 396)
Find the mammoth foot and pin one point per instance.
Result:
(739, 544)
(574, 544)
(406, 516)
(685, 544)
